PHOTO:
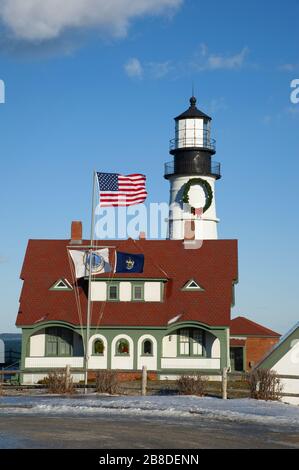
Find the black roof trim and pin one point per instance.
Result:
(192, 112)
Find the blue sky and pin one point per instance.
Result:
(101, 92)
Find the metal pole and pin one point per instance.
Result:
(144, 381)
(89, 284)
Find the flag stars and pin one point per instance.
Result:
(108, 181)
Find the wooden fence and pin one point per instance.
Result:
(226, 378)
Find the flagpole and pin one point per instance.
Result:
(88, 316)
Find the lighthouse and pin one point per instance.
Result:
(192, 175)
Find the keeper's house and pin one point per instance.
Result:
(174, 317)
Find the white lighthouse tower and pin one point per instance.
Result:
(192, 175)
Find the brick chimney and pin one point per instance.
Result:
(76, 232)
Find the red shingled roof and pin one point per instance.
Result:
(241, 326)
(214, 266)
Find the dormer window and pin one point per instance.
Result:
(137, 292)
(192, 285)
(113, 292)
(61, 284)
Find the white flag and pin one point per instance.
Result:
(99, 262)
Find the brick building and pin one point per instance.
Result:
(249, 343)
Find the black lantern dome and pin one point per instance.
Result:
(193, 112)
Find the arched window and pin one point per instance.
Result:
(59, 341)
(191, 342)
(147, 348)
(98, 347)
(122, 347)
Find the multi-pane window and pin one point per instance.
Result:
(191, 342)
(137, 292)
(59, 342)
(133, 290)
(184, 342)
(113, 292)
(52, 342)
(197, 342)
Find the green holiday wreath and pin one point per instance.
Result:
(207, 189)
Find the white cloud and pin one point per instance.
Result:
(133, 68)
(202, 61)
(152, 70)
(211, 61)
(40, 20)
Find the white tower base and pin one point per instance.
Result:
(205, 226)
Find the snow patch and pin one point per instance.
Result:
(238, 410)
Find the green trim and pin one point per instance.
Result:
(59, 341)
(244, 358)
(113, 284)
(195, 324)
(126, 279)
(142, 348)
(67, 287)
(191, 343)
(190, 289)
(278, 351)
(126, 354)
(162, 290)
(76, 327)
(221, 332)
(244, 337)
(135, 333)
(133, 282)
(93, 353)
(137, 284)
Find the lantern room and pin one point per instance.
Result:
(193, 130)
(193, 146)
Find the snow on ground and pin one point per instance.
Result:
(240, 410)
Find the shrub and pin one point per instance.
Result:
(194, 384)
(264, 385)
(107, 382)
(58, 382)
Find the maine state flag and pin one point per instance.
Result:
(128, 263)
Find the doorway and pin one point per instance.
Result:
(237, 359)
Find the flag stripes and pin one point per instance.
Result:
(119, 190)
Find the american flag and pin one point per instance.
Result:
(119, 190)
